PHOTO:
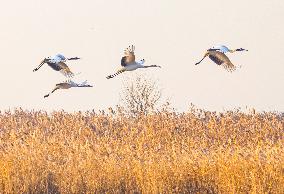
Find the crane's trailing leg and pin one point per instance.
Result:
(206, 54)
(41, 64)
(117, 73)
(56, 88)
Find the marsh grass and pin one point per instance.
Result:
(167, 152)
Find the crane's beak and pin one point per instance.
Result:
(241, 49)
(74, 58)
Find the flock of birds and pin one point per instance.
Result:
(128, 63)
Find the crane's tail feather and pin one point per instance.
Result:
(113, 75)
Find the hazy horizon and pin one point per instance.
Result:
(172, 34)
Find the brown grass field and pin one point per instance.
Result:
(167, 152)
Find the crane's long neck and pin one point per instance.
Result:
(239, 49)
(73, 58)
(146, 66)
(84, 86)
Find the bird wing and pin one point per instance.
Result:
(216, 59)
(229, 66)
(128, 59)
(123, 61)
(65, 69)
(221, 59)
(129, 56)
(60, 57)
(63, 85)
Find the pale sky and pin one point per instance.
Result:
(173, 34)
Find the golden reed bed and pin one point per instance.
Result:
(194, 152)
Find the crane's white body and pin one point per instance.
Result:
(128, 62)
(135, 65)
